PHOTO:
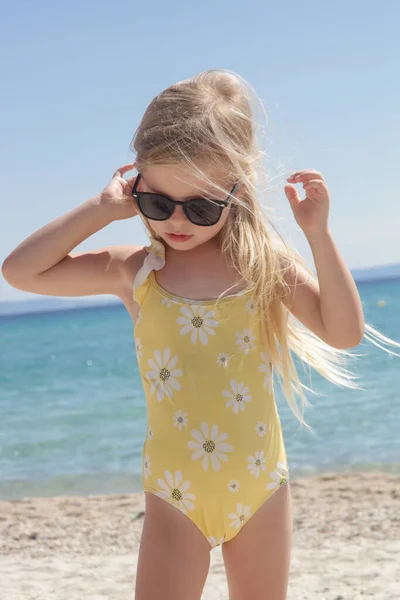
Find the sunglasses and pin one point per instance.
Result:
(199, 211)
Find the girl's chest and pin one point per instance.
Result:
(196, 283)
(197, 329)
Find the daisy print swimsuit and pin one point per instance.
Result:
(214, 447)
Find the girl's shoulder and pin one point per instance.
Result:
(138, 261)
(129, 258)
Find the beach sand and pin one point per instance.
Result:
(346, 543)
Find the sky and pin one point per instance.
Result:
(76, 78)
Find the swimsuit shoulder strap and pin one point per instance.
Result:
(154, 261)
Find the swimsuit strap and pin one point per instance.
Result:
(154, 261)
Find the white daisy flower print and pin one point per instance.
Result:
(146, 466)
(138, 318)
(279, 477)
(175, 491)
(246, 340)
(251, 306)
(238, 396)
(257, 463)
(210, 447)
(243, 513)
(168, 302)
(266, 367)
(150, 433)
(139, 347)
(214, 542)
(163, 374)
(180, 420)
(261, 429)
(223, 359)
(198, 321)
(233, 486)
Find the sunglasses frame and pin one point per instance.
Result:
(220, 203)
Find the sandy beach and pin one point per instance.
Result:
(346, 543)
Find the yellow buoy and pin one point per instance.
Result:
(381, 302)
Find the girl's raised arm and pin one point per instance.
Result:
(43, 263)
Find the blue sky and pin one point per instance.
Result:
(77, 76)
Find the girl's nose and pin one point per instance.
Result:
(178, 216)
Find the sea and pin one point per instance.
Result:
(73, 416)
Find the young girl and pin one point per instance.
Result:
(219, 303)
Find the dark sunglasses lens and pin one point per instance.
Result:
(155, 207)
(203, 212)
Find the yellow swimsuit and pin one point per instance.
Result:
(214, 447)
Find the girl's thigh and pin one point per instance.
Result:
(257, 560)
(174, 556)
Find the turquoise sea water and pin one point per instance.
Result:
(73, 414)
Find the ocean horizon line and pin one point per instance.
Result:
(27, 306)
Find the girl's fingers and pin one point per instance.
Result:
(316, 183)
(301, 176)
(131, 181)
(292, 195)
(119, 172)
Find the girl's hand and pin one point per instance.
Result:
(311, 214)
(117, 195)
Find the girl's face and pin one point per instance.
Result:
(176, 182)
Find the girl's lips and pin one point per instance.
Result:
(178, 238)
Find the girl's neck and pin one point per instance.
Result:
(200, 273)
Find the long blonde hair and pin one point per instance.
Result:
(209, 120)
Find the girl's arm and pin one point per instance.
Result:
(42, 263)
(330, 307)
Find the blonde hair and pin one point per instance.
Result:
(209, 120)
